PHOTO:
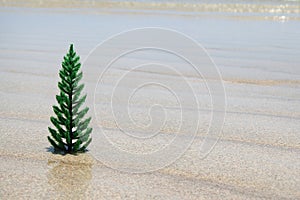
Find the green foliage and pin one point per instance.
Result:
(71, 133)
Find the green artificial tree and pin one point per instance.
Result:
(71, 133)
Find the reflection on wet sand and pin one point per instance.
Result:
(70, 176)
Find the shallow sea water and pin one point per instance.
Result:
(258, 58)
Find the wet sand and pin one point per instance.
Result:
(258, 155)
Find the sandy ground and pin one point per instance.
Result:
(258, 155)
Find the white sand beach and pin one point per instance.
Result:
(257, 54)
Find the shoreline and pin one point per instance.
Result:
(257, 156)
(277, 11)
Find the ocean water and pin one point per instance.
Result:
(275, 9)
(195, 2)
(247, 39)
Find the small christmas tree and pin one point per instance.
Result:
(72, 133)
